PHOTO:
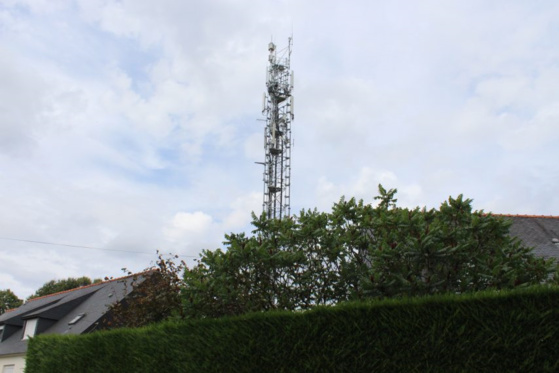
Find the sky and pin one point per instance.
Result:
(131, 126)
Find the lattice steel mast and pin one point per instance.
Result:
(278, 109)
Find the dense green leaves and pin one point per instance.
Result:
(359, 251)
(449, 250)
(8, 300)
(507, 331)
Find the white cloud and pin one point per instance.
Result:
(132, 125)
(22, 98)
(241, 209)
(189, 226)
(253, 146)
(365, 186)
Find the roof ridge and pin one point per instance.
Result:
(94, 284)
(528, 216)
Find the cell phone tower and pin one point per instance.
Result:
(278, 109)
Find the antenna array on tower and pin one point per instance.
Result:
(278, 109)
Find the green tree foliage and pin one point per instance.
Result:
(55, 286)
(154, 297)
(359, 251)
(8, 300)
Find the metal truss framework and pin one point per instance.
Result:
(278, 109)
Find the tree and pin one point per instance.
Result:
(359, 251)
(453, 249)
(8, 300)
(154, 297)
(55, 286)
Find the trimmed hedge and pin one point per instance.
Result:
(514, 331)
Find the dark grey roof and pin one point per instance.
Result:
(55, 311)
(538, 232)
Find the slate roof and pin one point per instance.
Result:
(538, 232)
(56, 311)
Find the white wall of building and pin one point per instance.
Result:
(18, 361)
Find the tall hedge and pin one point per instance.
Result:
(486, 332)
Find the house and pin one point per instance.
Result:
(539, 232)
(77, 311)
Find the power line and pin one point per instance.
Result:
(84, 247)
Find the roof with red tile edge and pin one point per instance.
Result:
(527, 216)
(90, 285)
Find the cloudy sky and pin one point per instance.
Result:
(128, 126)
